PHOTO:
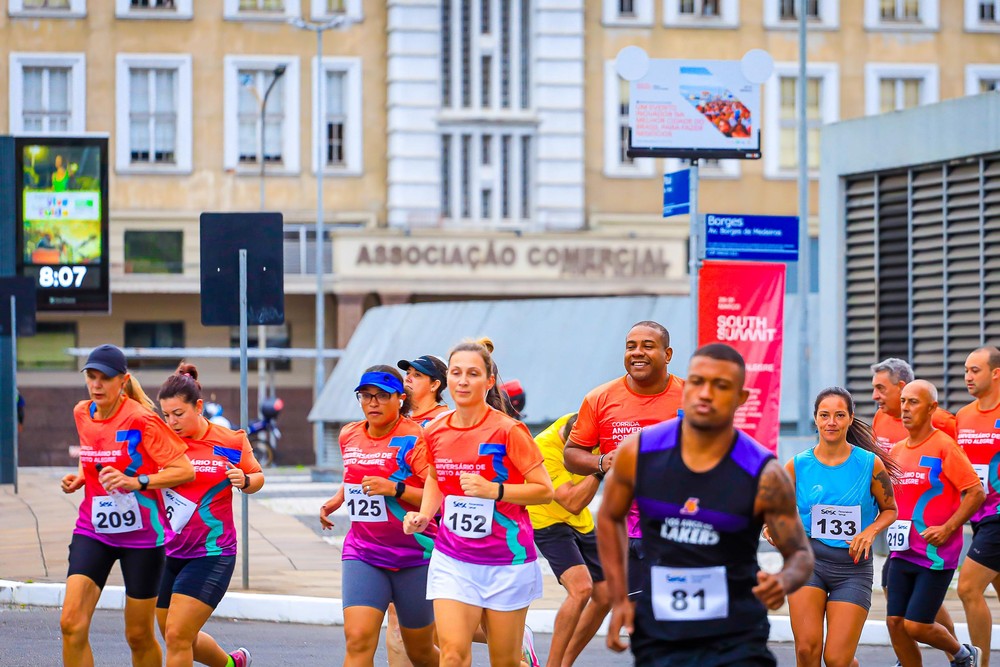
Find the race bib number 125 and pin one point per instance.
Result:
(363, 508)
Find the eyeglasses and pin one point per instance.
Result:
(364, 397)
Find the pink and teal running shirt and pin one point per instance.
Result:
(979, 437)
(933, 475)
(376, 534)
(135, 441)
(201, 511)
(475, 530)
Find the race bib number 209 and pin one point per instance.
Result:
(117, 513)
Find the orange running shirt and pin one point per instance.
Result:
(425, 418)
(500, 449)
(933, 475)
(979, 437)
(890, 430)
(135, 441)
(612, 411)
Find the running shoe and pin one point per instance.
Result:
(241, 657)
(528, 654)
(975, 655)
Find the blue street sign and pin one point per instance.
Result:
(677, 193)
(760, 238)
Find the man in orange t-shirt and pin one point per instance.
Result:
(888, 379)
(936, 491)
(646, 395)
(979, 435)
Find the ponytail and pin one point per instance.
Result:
(134, 391)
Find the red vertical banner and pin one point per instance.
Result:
(742, 304)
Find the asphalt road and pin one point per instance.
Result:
(29, 636)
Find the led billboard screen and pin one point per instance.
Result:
(62, 217)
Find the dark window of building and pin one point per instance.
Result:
(154, 252)
(46, 350)
(154, 334)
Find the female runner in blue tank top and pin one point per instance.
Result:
(843, 489)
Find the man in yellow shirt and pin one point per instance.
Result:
(564, 533)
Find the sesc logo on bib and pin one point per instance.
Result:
(689, 593)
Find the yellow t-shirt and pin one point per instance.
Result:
(543, 516)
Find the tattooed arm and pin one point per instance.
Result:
(775, 502)
(881, 490)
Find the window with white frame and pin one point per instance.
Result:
(784, 14)
(901, 15)
(982, 15)
(47, 8)
(627, 12)
(701, 13)
(325, 9)
(154, 9)
(617, 163)
(893, 87)
(254, 132)
(487, 175)
(261, 10)
(48, 93)
(982, 79)
(781, 104)
(487, 131)
(153, 113)
(342, 127)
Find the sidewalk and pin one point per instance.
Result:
(294, 574)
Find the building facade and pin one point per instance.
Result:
(470, 149)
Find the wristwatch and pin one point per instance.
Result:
(400, 489)
(143, 481)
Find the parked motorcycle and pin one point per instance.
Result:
(263, 433)
(213, 413)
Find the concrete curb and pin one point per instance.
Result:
(330, 611)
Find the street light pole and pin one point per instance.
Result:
(319, 29)
(804, 270)
(277, 73)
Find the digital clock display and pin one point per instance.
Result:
(63, 215)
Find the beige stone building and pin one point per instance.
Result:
(471, 148)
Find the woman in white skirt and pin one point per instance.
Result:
(485, 468)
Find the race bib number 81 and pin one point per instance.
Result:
(471, 518)
(689, 593)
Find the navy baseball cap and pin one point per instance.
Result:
(425, 365)
(384, 381)
(107, 359)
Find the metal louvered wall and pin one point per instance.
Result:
(922, 271)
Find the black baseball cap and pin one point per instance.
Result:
(107, 359)
(425, 365)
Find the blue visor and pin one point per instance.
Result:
(384, 381)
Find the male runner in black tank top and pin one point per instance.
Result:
(703, 490)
